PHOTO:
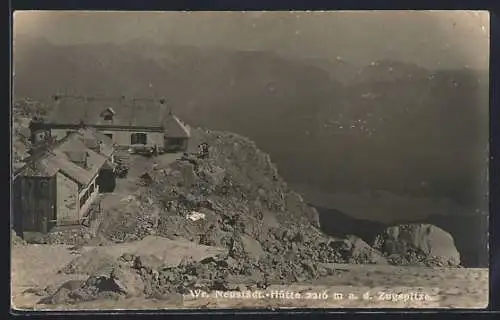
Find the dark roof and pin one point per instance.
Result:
(61, 158)
(75, 145)
(41, 167)
(141, 113)
(175, 128)
(51, 163)
(76, 156)
(91, 143)
(93, 138)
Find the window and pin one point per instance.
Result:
(138, 138)
(176, 141)
(109, 135)
(108, 114)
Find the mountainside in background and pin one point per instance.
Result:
(389, 126)
(470, 232)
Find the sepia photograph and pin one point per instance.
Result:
(197, 160)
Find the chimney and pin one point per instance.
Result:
(35, 128)
(32, 128)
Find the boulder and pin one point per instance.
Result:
(69, 292)
(214, 176)
(16, 240)
(148, 262)
(296, 207)
(423, 241)
(121, 279)
(354, 250)
(59, 297)
(90, 263)
(188, 174)
(245, 247)
(73, 284)
(128, 281)
(252, 247)
(313, 216)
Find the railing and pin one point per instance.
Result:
(93, 214)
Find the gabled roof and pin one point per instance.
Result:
(141, 113)
(74, 144)
(42, 167)
(72, 170)
(51, 163)
(61, 159)
(76, 156)
(92, 138)
(174, 128)
(108, 111)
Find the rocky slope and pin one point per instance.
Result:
(233, 199)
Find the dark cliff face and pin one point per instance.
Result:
(338, 224)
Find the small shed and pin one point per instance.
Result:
(176, 134)
(35, 193)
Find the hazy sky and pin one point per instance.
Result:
(431, 39)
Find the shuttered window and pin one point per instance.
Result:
(138, 138)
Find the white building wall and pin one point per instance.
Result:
(121, 138)
(67, 199)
